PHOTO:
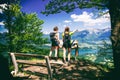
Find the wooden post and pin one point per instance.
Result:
(14, 63)
(76, 51)
(48, 66)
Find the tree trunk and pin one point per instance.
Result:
(9, 26)
(114, 10)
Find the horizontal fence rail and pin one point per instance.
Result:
(16, 61)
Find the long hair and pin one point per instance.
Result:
(67, 29)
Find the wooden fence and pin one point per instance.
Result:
(16, 61)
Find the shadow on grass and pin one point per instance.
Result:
(77, 70)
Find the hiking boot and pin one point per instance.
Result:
(56, 58)
(64, 61)
(69, 62)
(49, 57)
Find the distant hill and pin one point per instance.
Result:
(86, 38)
(89, 35)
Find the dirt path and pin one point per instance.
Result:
(77, 70)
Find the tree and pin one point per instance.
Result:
(25, 29)
(56, 6)
(28, 33)
(8, 18)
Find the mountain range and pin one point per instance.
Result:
(89, 35)
(87, 38)
(92, 35)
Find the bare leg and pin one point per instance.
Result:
(76, 51)
(56, 51)
(50, 54)
(69, 54)
(64, 54)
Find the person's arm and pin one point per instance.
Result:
(62, 35)
(73, 31)
(57, 36)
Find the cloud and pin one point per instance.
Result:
(88, 20)
(46, 32)
(1, 23)
(64, 26)
(67, 21)
(2, 5)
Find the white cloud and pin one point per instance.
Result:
(88, 20)
(2, 5)
(1, 23)
(67, 21)
(0, 11)
(45, 32)
(64, 26)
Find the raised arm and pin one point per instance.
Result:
(73, 31)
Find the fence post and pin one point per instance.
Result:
(76, 51)
(48, 66)
(14, 63)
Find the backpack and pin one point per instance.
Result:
(66, 38)
(52, 36)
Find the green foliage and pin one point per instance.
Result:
(3, 43)
(56, 6)
(103, 56)
(8, 1)
(105, 49)
(24, 30)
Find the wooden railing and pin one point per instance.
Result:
(46, 58)
(17, 61)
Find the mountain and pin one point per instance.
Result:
(89, 35)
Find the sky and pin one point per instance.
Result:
(78, 19)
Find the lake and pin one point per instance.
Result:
(85, 51)
(81, 51)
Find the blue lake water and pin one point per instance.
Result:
(85, 51)
(81, 51)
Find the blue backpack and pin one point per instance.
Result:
(52, 36)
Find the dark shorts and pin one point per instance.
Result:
(67, 45)
(55, 43)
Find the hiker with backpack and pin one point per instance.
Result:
(66, 35)
(54, 37)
